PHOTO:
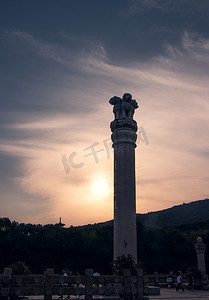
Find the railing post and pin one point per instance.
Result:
(127, 285)
(156, 278)
(5, 289)
(140, 284)
(49, 280)
(89, 284)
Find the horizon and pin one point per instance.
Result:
(60, 65)
(107, 220)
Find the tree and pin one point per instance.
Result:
(124, 262)
(19, 268)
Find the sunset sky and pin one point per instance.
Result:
(61, 62)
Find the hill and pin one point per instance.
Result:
(193, 212)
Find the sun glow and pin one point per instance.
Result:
(100, 187)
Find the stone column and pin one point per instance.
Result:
(200, 250)
(124, 138)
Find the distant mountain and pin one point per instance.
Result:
(193, 212)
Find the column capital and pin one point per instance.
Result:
(125, 122)
(124, 135)
(200, 246)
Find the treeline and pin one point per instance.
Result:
(91, 246)
(52, 246)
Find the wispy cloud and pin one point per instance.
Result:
(173, 98)
(165, 5)
(47, 50)
(59, 53)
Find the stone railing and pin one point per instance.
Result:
(161, 280)
(49, 284)
(170, 279)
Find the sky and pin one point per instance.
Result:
(61, 62)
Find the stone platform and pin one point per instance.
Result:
(171, 294)
(165, 294)
(151, 291)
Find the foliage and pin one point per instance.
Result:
(164, 249)
(77, 248)
(195, 272)
(124, 262)
(52, 246)
(20, 268)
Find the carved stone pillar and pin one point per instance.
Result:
(200, 250)
(124, 138)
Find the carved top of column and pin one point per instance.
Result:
(121, 123)
(123, 109)
(200, 246)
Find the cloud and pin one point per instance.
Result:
(197, 47)
(66, 56)
(173, 111)
(166, 5)
(48, 78)
(49, 51)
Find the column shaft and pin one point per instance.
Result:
(125, 241)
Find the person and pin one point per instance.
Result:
(190, 280)
(64, 284)
(179, 282)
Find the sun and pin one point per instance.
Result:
(100, 187)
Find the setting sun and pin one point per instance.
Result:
(100, 187)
